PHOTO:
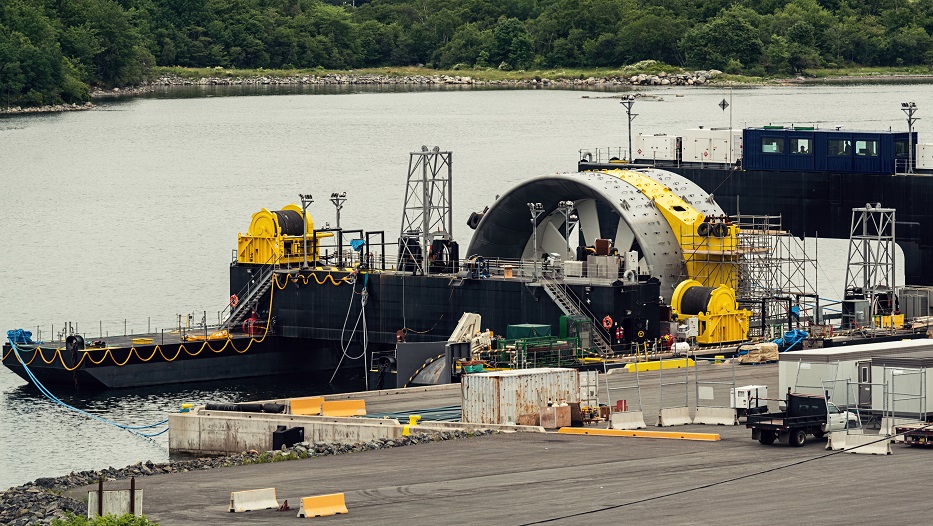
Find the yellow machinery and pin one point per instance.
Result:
(711, 254)
(715, 308)
(279, 236)
(709, 245)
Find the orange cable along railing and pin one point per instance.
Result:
(206, 344)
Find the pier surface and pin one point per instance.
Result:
(523, 478)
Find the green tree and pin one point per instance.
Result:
(511, 44)
(729, 36)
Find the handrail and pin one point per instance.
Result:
(272, 263)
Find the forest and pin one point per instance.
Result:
(57, 50)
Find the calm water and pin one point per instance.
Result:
(127, 215)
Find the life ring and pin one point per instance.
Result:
(607, 322)
(234, 300)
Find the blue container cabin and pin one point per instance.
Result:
(810, 150)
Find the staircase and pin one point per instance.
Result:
(571, 308)
(254, 291)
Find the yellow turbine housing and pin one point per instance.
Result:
(720, 319)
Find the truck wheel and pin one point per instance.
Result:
(798, 438)
(766, 438)
(819, 433)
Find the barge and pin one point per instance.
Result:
(600, 264)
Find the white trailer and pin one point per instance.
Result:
(813, 370)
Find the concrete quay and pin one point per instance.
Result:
(527, 478)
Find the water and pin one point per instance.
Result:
(127, 215)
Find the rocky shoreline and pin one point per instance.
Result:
(696, 78)
(43, 500)
(56, 108)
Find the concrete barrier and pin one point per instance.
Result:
(253, 499)
(674, 416)
(722, 416)
(836, 440)
(705, 437)
(627, 420)
(323, 505)
(343, 408)
(677, 363)
(116, 501)
(868, 444)
(308, 405)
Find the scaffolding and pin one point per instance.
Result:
(777, 277)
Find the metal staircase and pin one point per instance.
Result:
(571, 308)
(253, 293)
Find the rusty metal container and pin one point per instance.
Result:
(516, 397)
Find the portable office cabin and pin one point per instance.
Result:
(807, 149)
(808, 371)
(909, 386)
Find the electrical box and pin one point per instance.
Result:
(749, 397)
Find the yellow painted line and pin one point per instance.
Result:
(707, 437)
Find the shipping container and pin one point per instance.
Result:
(517, 396)
(807, 149)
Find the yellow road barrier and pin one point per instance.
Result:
(308, 405)
(343, 408)
(678, 363)
(707, 437)
(323, 505)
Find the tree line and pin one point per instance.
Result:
(53, 50)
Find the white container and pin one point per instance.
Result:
(748, 397)
(573, 269)
(656, 147)
(711, 145)
(516, 397)
(924, 156)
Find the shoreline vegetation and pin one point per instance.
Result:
(58, 52)
(646, 73)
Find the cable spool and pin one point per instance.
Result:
(290, 222)
(720, 230)
(704, 229)
(696, 300)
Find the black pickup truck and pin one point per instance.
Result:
(805, 415)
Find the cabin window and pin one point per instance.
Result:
(866, 148)
(900, 148)
(772, 145)
(801, 146)
(839, 147)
